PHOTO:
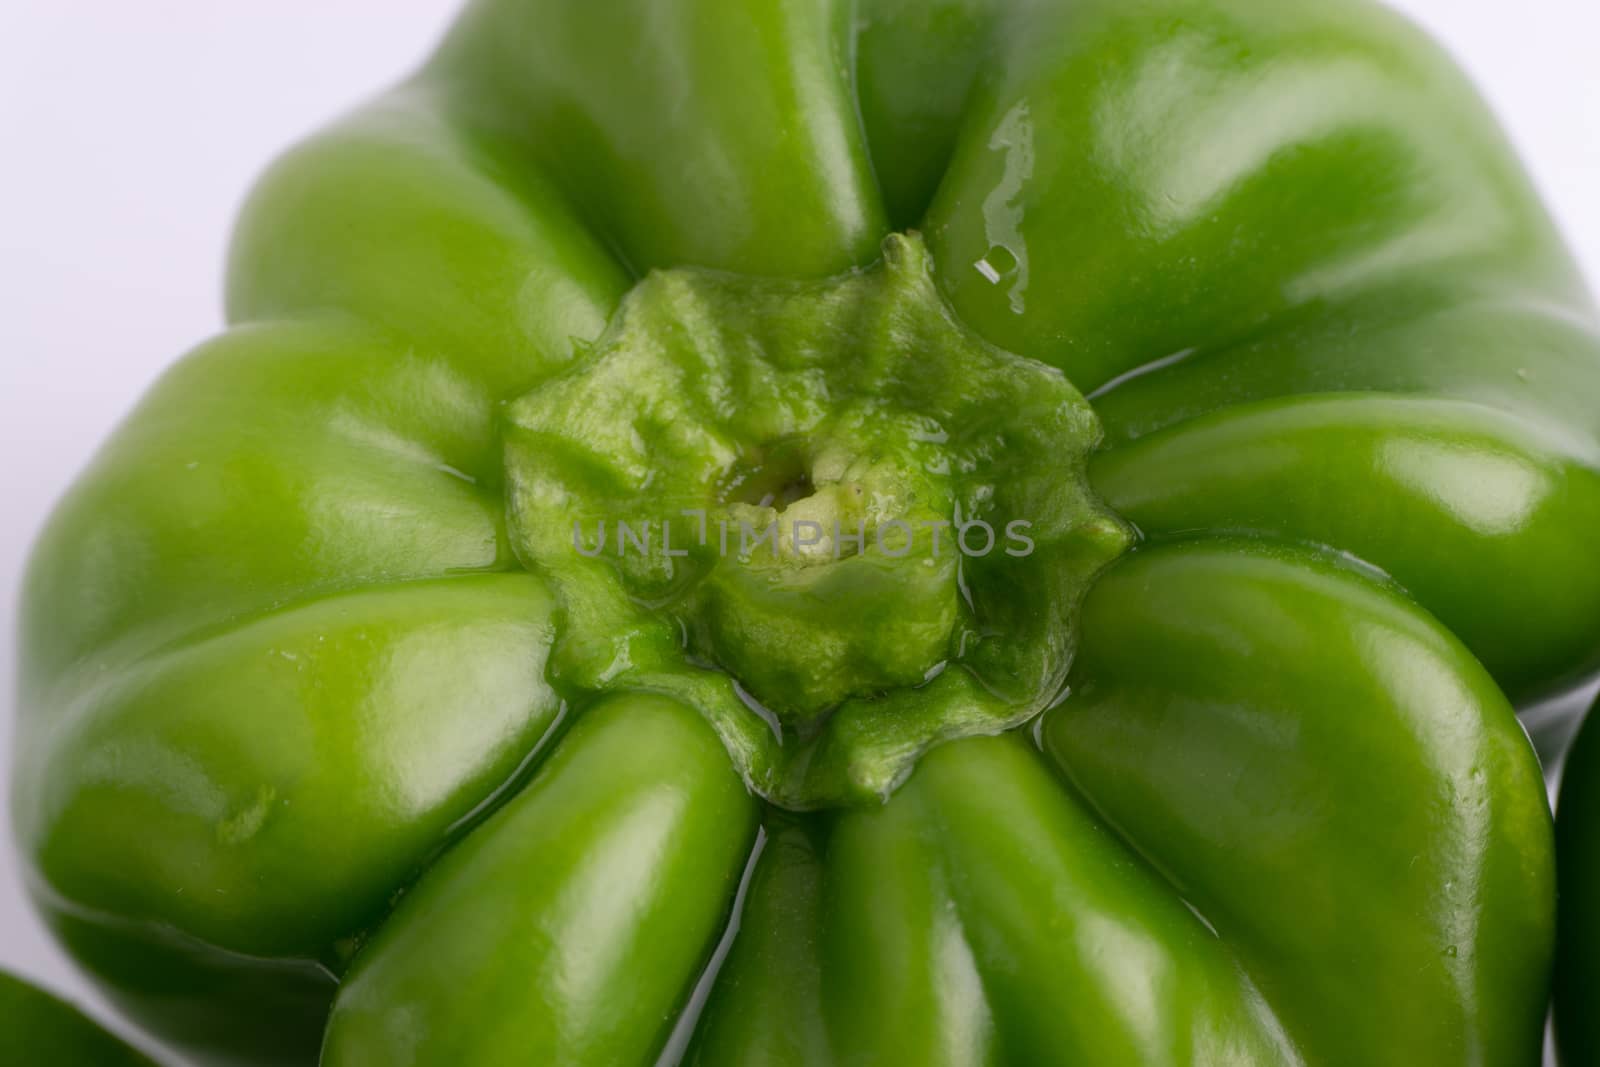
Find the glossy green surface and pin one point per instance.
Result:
(35, 1027)
(1286, 803)
(576, 920)
(312, 720)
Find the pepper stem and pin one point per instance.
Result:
(876, 496)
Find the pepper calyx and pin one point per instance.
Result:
(825, 513)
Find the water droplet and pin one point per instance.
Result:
(1005, 206)
(997, 264)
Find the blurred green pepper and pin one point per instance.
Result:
(36, 1028)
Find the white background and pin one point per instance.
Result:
(130, 131)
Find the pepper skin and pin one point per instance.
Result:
(35, 1027)
(336, 744)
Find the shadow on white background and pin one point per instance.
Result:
(132, 132)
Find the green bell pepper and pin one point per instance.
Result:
(903, 531)
(37, 1028)
(1577, 985)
